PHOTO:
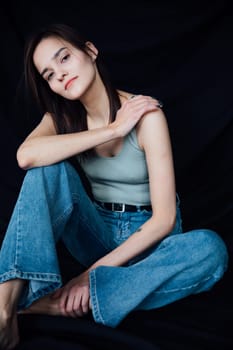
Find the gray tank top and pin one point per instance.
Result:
(122, 178)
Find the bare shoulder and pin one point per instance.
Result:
(47, 121)
(154, 120)
(47, 118)
(153, 126)
(46, 127)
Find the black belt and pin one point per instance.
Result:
(119, 207)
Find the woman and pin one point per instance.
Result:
(128, 235)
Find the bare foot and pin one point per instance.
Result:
(9, 334)
(45, 305)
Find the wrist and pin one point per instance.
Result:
(115, 130)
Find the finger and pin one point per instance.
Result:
(159, 103)
(63, 302)
(85, 303)
(139, 98)
(77, 308)
(70, 305)
(143, 101)
(144, 107)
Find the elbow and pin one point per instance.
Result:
(171, 222)
(166, 223)
(23, 158)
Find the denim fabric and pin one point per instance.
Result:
(53, 205)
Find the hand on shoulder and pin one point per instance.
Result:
(152, 126)
(133, 109)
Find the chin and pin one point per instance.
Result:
(72, 95)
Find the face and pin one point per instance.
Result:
(69, 71)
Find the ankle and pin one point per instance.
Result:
(9, 294)
(6, 316)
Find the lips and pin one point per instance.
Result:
(69, 82)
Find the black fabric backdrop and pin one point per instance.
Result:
(182, 53)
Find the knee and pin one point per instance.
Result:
(52, 177)
(213, 251)
(53, 171)
(48, 170)
(43, 169)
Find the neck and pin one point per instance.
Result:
(96, 102)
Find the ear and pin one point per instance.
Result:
(91, 50)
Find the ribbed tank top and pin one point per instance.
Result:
(122, 178)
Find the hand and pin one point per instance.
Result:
(74, 296)
(132, 111)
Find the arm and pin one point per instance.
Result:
(154, 138)
(44, 147)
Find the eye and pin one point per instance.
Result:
(49, 76)
(65, 58)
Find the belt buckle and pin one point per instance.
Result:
(118, 204)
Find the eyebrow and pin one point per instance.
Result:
(54, 56)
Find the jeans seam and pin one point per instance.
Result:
(185, 288)
(65, 213)
(30, 275)
(94, 300)
(17, 235)
(76, 201)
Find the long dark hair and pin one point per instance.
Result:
(68, 115)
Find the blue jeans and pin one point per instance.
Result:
(53, 205)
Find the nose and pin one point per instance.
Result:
(61, 75)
